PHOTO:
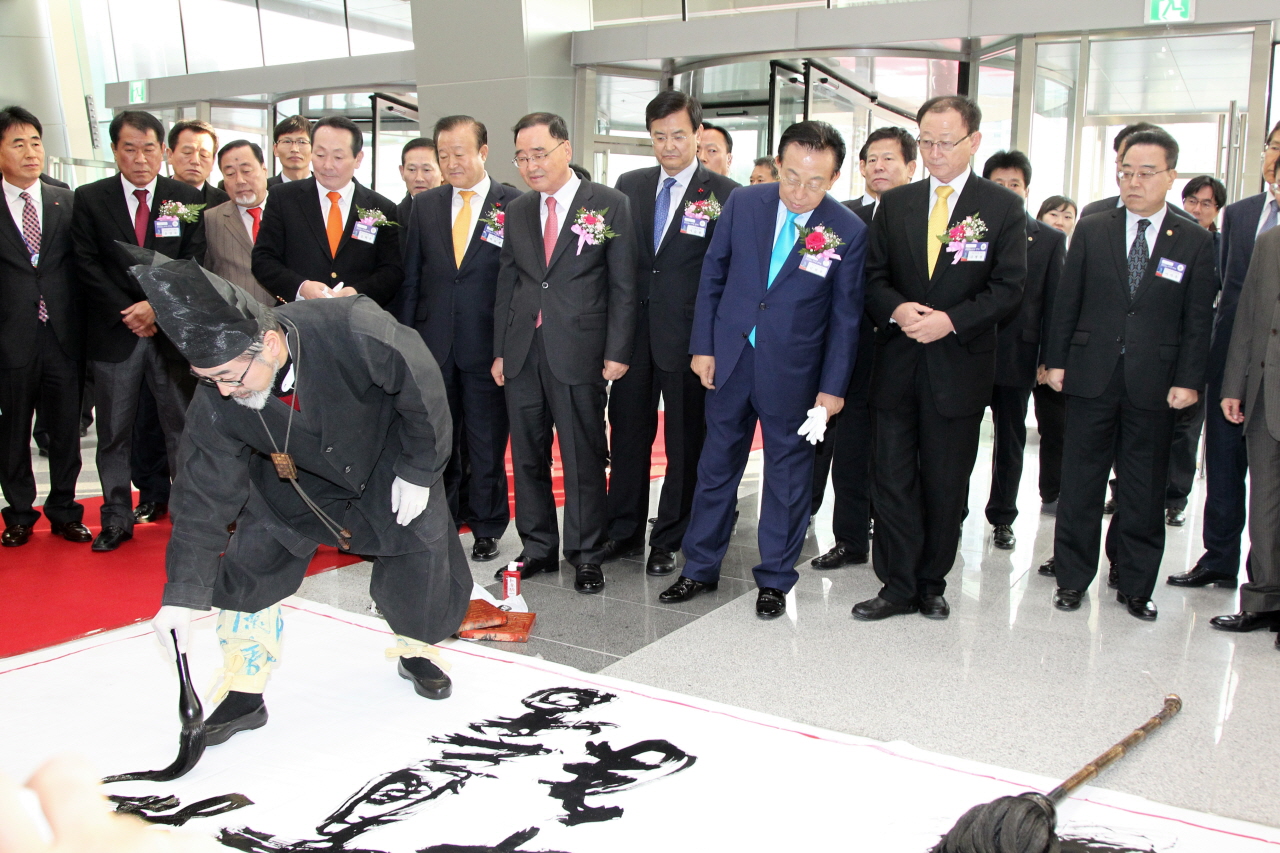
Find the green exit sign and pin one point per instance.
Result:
(137, 91)
(1170, 11)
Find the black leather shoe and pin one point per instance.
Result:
(615, 549)
(484, 549)
(1113, 576)
(588, 579)
(1244, 621)
(934, 607)
(15, 535)
(770, 603)
(1143, 608)
(1200, 576)
(661, 562)
(875, 609)
(221, 732)
(840, 555)
(1175, 517)
(1067, 599)
(1109, 507)
(684, 589)
(529, 568)
(72, 531)
(1047, 568)
(429, 681)
(1002, 537)
(111, 538)
(149, 512)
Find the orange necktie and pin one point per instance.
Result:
(333, 226)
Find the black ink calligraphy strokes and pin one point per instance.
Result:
(1072, 844)
(613, 771)
(150, 808)
(513, 844)
(547, 710)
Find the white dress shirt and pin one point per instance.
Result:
(285, 179)
(344, 203)
(957, 183)
(18, 205)
(132, 201)
(1131, 229)
(481, 191)
(677, 190)
(564, 202)
(248, 220)
(802, 220)
(868, 200)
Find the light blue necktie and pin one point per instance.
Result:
(1273, 212)
(781, 251)
(660, 212)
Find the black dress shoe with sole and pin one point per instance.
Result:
(1244, 621)
(1200, 576)
(875, 609)
(1109, 507)
(684, 589)
(588, 578)
(221, 732)
(484, 549)
(934, 607)
(770, 603)
(529, 568)
(1175, 517)
(15, 535)
(146, 513)
(615, 549)
(111, 538)
(1002, 537)
(429, 681)
(1142, 608)
(839, 556)
(661, 562)
(1113, 576)
(1047, 568)
(1067, 599)
(72, 531)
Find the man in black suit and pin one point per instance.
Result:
(564, 325)
(452, 256)
(192, 144)
(1128, 345)
(315, 242)
(124, 345)
(292, 147)
(715, 148)
(670, 244)
(41, 337)
(887, 160)
(1226, 463)
(936, 302)
(420, 171)
(1018, 360)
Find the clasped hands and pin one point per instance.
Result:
(922, 323)
(317, 290)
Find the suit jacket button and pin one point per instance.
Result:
(1119, 340)
(347, 470)
(545, 285)
(1131, 313)
(329, 449)
(744, 334)
(333, 275)
(762, 306)
(655, 272)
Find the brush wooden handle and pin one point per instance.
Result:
(1172, 705)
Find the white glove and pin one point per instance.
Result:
(175, 619)
(815, 427)
(408, 501)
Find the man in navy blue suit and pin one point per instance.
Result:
(775, 337)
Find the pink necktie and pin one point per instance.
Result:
(141, 216)
(550, 233)
(31, 235)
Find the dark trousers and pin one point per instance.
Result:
(1100, 429)
(537, 403)
(1188, 423)
(921, 467)
(633, 424)
(1226, 465)
(148, 459)
(1262, 593)
(478, 406)
(1051, 418)
(846, 453)
(117, 386)
(732, 412)
(1009, 417)
(50, 382)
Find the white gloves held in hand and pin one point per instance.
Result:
(407, 500)
(815, 426)
(173, 619)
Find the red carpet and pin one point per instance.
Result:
(52, 591)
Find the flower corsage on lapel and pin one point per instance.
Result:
(368, 221)
(964, 240)
(591, 229)
(818, 249)
(495, 225)
(173, 214)
(698, 214)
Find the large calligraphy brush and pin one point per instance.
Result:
(1025, 823)
(192, 740)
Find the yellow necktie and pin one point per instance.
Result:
(333, 224)
(938, 219)
(462, 227)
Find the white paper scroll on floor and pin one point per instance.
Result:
(526, 756)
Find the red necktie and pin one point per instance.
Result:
(141, 216)
(550, 233)
(256, 214)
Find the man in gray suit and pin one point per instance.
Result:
(231, 228)
(1252, 397)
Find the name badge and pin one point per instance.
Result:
(491, 236)
(1171, 270)
(693, 225)
(812, 264)
(974, 251)
(364, 233)
(168, 226)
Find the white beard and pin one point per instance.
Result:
(257, 400)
